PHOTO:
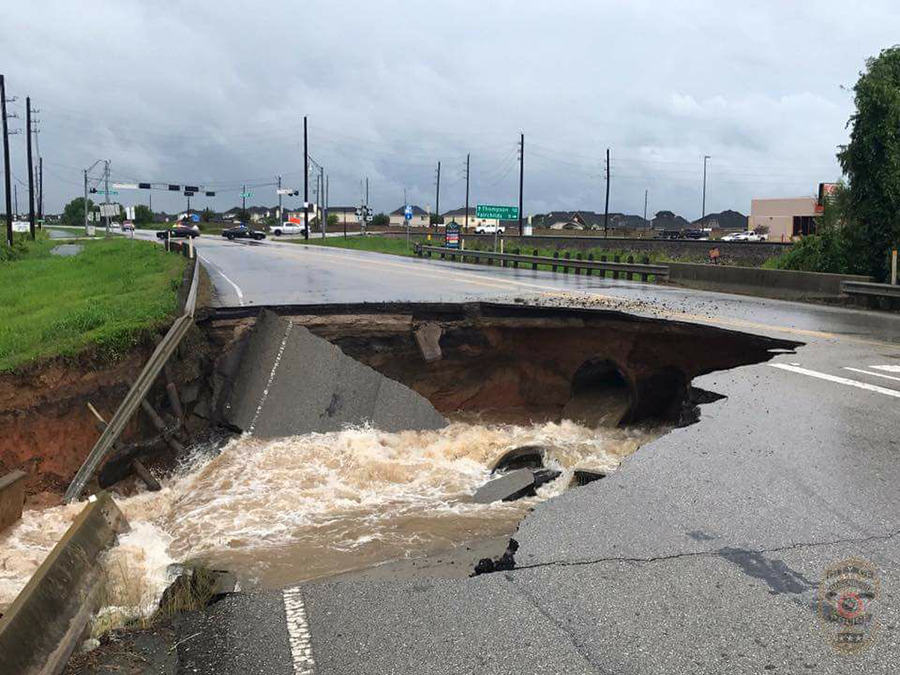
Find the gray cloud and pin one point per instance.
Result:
(215, 93)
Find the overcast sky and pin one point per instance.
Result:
(214, 93)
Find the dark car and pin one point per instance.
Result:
(668, 234)
(179, 231)
(243, 232)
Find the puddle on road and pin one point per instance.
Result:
(288, 510)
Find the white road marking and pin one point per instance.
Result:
(839, 380)
(222, 274)
(887, 369)
(265, 394)
(867, 372)
(298, 632)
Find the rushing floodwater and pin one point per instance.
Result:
(294, 509)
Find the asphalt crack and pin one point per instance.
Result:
(698, 554)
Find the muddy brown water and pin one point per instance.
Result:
(294, 509)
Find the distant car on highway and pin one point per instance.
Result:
(243, 232)
(288, 228)
(668, 234)
(490, 229)
(737, 236)
(178, 232)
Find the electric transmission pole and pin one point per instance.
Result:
(468, 157)
(703, 214)
(279, 201)
(30, 166)
(106, 190)
(437, 197)
(40, 191)
(646, 196)
(521, 176)
(6, 168)
(305, 182)
(606, 211)
(243, 199)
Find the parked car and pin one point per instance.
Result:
(757, 236)
(178, 232)
(668, 234)
(737, 236)
(490, 229)
(243, 232)
(288, 228)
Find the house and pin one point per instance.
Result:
(420, 217)
(459, 215)
(784, 219)
(345, 214)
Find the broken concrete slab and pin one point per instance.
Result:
(523, 457)
(428, 338)
(584, 476)
(507, 488)
(291, 382)
(545, 476)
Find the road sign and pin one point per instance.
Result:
(129, 212)
(451, 235)
(246, 194)
(497, 212)
(125, 186)
(408, 212)
(109, 210)
(111, 193)
(287, 191)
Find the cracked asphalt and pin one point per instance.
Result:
(704, 553)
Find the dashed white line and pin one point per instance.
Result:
(265, 394)
(222, 274)
(868, 372)
(298, 632)
(838, 380)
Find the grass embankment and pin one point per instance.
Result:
(374, 243)
(109, 297)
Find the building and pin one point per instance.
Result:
(345, 214)
(459, 215)
(420, 217)
(784, 219)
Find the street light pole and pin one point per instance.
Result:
(703, 214)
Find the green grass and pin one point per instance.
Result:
(110, 297)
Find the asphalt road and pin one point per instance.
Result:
(703, 554)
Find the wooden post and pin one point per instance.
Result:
(630, 262)
(534, 253)
(603, 259)
(566, 267)
(615, 272)
(555, 255)
(591, 259)
(646, 261)
(577, 270)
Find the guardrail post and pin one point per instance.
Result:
(603, 272)
(615, 272)
(577, 269)
(645, 261)
(516, 262)
(534, 253)
(555, 255)
(591, 259)
(630, 262)
(566, 267)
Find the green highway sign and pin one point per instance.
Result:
(497, 212)
(246, 194)
(106, 192)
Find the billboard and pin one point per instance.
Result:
(827, 192)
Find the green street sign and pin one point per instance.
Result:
(246, 194)
(497, 212)
(106, 192)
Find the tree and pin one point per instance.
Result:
(142, 215)
(871, 162)
(206, 215)
(380, 220)
(436, 219)
(333, 221)
(73, 214)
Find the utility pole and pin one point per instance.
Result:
(367, 190)
(521, 176)
(243, 198)
(468, 157)
(606, 211)
(41, 192)
(305, 182)
(703, 214)
(106, 200)
(646, 196)
(6, 168)
(279, 200)
(30, 166)
(325, 211)
(86, 202)
(437, 198)
(15, 199)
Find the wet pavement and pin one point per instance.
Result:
(705, 553)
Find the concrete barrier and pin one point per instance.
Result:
(48, 618)
(12, 498)
(781, 284)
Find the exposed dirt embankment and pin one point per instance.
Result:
(47, 428)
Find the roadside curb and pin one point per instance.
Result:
(47, 619)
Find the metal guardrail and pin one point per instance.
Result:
(870, 289)
(138, 391)
(661, 272)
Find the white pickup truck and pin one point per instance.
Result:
(288, 228)
(490, 229)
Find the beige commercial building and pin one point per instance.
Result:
(784, 218)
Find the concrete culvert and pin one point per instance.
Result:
(523, 457)
(661, 397)
(601, 395)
